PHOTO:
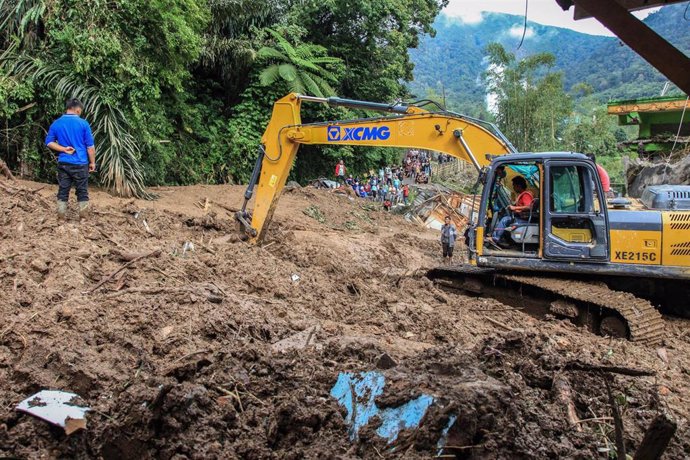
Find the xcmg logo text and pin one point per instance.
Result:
(372, 133)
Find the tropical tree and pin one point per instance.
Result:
(119, 152)
(372, 36)
(174, 89)
(529, 103)
(305, 67)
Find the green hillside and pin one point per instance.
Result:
(455, 58)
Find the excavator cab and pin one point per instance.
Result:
(575, 221)
(522, 228)
(566, 220)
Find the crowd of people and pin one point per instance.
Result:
(387, 185)
(417, 165)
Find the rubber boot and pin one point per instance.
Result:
(61, 210)
(84, 209)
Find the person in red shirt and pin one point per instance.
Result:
(603, 176)
(520, 210)
(340, 171)
(406, 193)
(524, 200)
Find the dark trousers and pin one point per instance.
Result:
(77, 175)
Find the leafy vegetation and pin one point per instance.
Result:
(531, 106)
(302, 67)
(128, 61)
(533, 110)
(179, 91)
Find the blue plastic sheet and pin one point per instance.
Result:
(529, 172)
(358, 392)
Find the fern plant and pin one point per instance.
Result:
(304, 67)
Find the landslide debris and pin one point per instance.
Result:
(164, 323)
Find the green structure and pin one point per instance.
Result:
(658, 119)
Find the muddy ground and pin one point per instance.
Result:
(176, 353)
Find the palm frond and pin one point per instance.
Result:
(324, 85)
(300, 66)
(312, 87)
(271, 53)
(297, 85)
(16, 16)
(304, 51)
(306, 64)
(282, 42)
(326, 60)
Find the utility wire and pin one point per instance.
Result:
(670, 155)
(524, 28)
(680, 125)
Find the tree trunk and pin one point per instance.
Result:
(5, 170)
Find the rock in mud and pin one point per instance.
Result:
(385, 362)
(40, 265)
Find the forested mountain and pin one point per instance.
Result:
(456, 57)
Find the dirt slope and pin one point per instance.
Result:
(176, 355)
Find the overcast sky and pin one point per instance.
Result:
(541, 11)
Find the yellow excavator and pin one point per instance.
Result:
(572, 254)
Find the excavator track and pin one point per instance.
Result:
(644, 322)
(591, 303)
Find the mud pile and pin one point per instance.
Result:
(187, 343)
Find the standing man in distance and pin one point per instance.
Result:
(448, 235)
(71, 138)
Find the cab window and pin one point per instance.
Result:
(567, 189)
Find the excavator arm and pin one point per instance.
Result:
(405, 126)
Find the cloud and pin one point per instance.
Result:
(471, 17)
(516, 31)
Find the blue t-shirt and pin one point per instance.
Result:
(71, 131)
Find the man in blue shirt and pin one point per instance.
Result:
(71, 138)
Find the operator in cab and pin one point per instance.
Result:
(519, 211)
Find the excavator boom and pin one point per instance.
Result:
(406, 126)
